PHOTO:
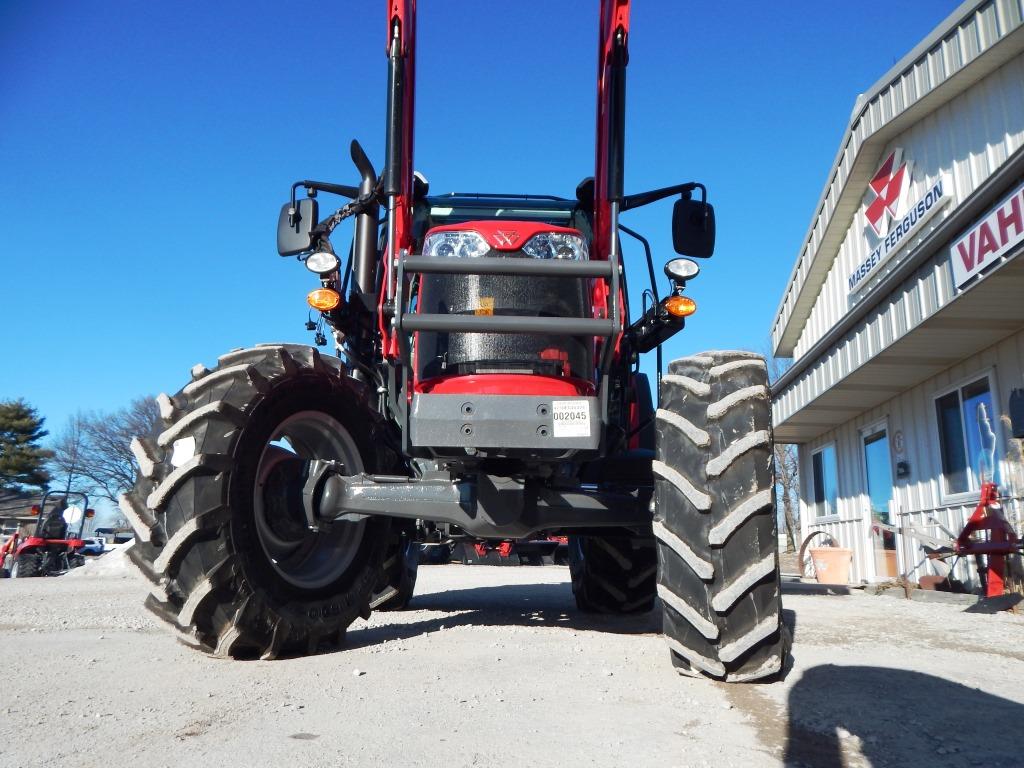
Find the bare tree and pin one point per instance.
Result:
(69, 449)
(787, 468)
(94, 448)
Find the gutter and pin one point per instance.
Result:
(971, 209)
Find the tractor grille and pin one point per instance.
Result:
(453, 354)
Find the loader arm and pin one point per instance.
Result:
(613, 55)
(398, 162)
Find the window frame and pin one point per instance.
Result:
(960, 497)
(818, 516)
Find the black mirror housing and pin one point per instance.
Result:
(295, 225)
(693, 228)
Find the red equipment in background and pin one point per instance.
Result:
(50, 551)
(544, 550)
(987, 535)
(991, 550)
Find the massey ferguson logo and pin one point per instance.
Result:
(893, 222)
(887, 185)
(506, 237)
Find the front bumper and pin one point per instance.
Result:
(536, 423)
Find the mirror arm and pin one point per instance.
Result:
(344, 190)
(647, 253)
(645, 198)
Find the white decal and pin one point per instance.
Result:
(571, 418)
(183, 449)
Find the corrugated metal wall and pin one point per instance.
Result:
(913, 413)
(968, 138)
(990, 23)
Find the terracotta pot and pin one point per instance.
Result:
(832, 564)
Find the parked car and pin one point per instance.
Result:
(94, 545)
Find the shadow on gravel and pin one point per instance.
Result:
(996, 604)
(901, 718)
(527, 605)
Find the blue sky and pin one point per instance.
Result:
(146, 148)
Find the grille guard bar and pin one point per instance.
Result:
(490, 265)
(510, 324)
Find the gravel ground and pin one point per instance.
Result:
(493, 665)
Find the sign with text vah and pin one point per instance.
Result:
(891, 218)
(990, 239)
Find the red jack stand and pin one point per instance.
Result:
(1000, 542)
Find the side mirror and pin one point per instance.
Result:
(693, 228)
(294, 226)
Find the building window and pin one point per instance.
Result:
(824, 478)
(966, 434)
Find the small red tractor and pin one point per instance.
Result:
(49, 551)
(487, 386)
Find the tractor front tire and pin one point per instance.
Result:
(220, 527)
(718, 575)
(613, 574)
(26, 565)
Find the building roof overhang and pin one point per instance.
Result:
(875, 121)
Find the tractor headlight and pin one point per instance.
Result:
(461, 244)
(322, 262)
(557, 245)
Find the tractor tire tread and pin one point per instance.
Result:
(182, 515)
(613, 574)
(718, 574)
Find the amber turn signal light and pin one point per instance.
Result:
(680, 306)
(323, 299)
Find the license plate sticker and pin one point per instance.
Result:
(571, 418)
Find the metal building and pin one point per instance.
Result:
(905, 310)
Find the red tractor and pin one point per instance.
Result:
(486, 386)
(50, 551)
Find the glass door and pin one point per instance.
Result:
(878, 481)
